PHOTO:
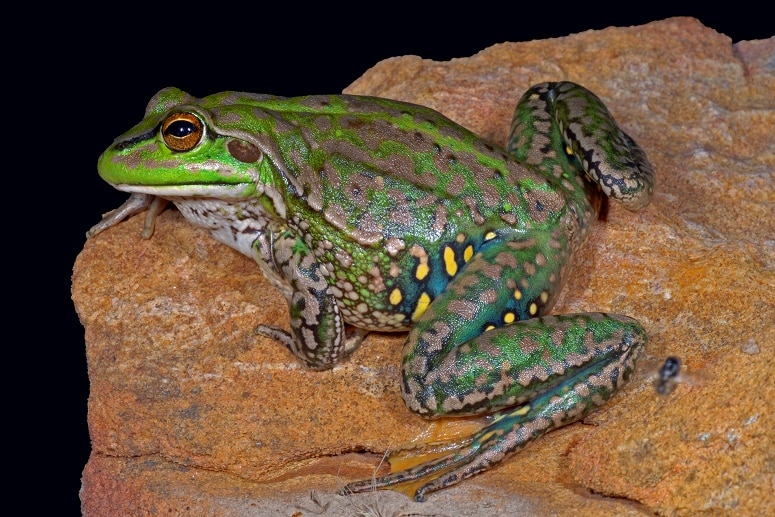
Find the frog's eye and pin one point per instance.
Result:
(182, 131)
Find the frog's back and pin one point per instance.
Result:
(378, 169)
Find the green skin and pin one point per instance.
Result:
(390, 217)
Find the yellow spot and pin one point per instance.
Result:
(422, 306)
(508, 317)
(533, 309)
(422, 270)
(568, 150)
(489, 327)
(487, 436)
(544, 296)
(521, 411)
(489, 236)
(518, 294)
(468, 253)
(449, 261)
(395, 296)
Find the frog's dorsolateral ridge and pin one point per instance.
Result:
(389, 216)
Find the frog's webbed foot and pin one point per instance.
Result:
(136, 204)
(432, 454)
(509, 432)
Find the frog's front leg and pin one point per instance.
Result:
(317, 335)
(539, 373)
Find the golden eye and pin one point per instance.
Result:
(182, 131)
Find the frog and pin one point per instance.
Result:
(371, 214)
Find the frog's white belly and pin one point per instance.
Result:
(236, 224)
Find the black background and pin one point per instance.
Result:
(87, 79)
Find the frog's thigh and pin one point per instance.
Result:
(458, 361)
(448, 368)
(555, 358)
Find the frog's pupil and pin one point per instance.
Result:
(180, 128)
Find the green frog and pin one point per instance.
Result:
(388, 216)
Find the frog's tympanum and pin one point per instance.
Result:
(387, 216)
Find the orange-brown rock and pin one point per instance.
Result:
(192, 413)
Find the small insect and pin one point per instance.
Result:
(668, 375)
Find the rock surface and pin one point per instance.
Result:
(191, 413)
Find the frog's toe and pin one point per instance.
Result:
(493, 444)
(505, 435)
(413, 482)
(432, 453)
(275, 333)
(488, 448)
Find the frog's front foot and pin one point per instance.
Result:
(327, 358)
(568, 366)
(137, 203)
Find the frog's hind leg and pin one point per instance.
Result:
(563, 127)
(483, 346)
(573, 364)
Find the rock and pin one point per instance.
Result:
(191, 412)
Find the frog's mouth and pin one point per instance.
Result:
(217, 190)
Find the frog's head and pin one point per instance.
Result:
(188, 147)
